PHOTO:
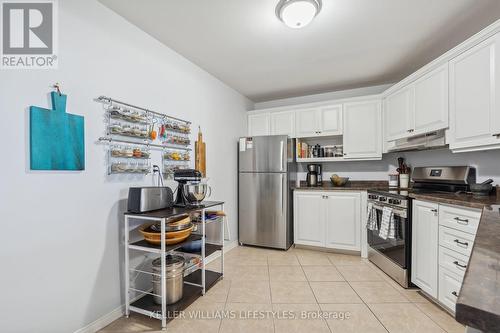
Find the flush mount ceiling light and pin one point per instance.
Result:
(297, 13)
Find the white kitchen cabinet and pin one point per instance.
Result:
(330, 120)
(424, 257)
(320, 121)
(431, 102)
(343, 220)
(328, 219)
(259, 124)
(398, 113)
(283, 123)
(309, 222)
(363, 130)
(449, 288)
(418, 108)
(475, 97)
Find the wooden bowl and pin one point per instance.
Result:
(172, 237)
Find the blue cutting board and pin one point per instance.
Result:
(57, 138)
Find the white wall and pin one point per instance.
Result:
(486, 162)
(61, 247)
(373, 90)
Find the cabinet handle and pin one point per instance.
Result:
(434, 210)
(459, 265)
(461, 221)
(455, 294)
(325, 196)
(461, 243)
(497, 135)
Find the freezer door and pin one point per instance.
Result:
(263, 154)
(263, 213)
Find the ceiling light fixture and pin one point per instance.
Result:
(297, 13)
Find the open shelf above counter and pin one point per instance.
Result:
(320, 159)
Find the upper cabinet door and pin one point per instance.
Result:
(283, 123)
(258, 124)
(330, 120)
(399, 113)
(475, 96)
(431, 101)
(363, 130)
(307, 122)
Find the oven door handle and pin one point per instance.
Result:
(398, 212)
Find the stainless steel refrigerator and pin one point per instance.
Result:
(266, 170)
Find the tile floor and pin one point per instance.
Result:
(354, 295)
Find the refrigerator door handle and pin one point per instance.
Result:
(281, 155)
(282, 197)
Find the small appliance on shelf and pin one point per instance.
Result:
(314, 176)
(190, 191)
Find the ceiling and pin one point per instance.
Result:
(350, 44)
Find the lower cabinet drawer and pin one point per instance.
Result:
(449, 287)
(456, 240)
(453, 261)
(463, 219)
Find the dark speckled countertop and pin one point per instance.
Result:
(355, 185)
(465, 200)
(478, 303)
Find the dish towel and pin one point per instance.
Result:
(371, 224)
(387, 229)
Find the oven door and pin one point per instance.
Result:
(395, 249)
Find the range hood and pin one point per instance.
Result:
(431, 140)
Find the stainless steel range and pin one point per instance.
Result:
(393, 254)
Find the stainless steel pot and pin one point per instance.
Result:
(194, 193)
(174, 274)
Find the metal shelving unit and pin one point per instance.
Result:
(197, 278)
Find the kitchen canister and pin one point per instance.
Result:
(393, 180)
(404, 180)
(174, 274)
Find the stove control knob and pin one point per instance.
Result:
(382, 199)
(396, 201)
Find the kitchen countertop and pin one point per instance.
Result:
(478, 303)
(462, 199)
(355, 185)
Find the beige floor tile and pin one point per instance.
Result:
(219, 292)
(286, 273)
(404, 318)
(299, 318)
(413, 295)
(313, 259)
(360, 272)
(249, 292)
(322, 273)
(291, 292)
(193, 325)
(245, 320)
(441, 317)
(250, 259)
(135, 323)
(282, 259)
(351, 318)
(345, 259)
(378, 292)
(334, 292)
(247, 273)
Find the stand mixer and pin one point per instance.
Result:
(190, 191)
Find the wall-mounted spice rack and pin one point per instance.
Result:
(138, 131)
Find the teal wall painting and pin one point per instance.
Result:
(57, 138)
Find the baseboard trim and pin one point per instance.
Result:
(107, 319)
(104, 321)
